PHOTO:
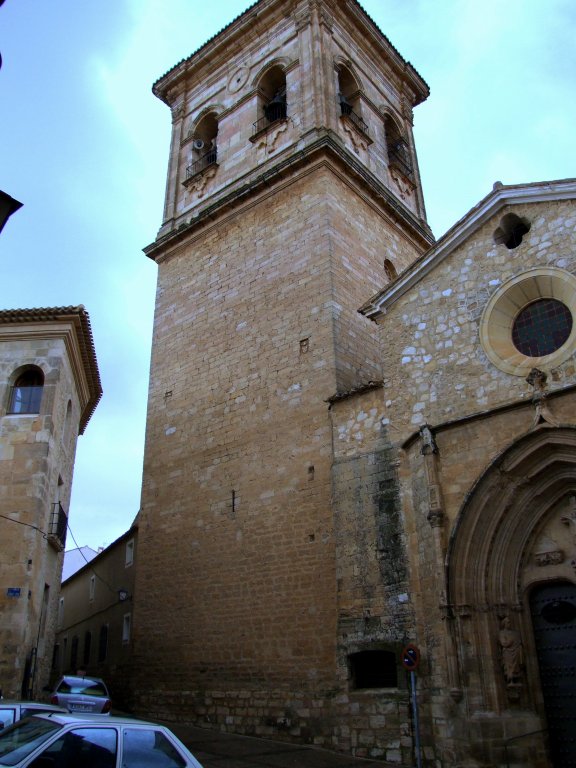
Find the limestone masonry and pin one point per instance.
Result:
(357, 437)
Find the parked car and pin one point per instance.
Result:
(11, 711)
(55, 740)
(82, 694)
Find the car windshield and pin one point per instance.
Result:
(22, 738)
(82, 685)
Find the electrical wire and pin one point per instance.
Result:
(28, 525)
(79, 548)
(88, 562)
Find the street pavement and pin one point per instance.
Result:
(225, 750)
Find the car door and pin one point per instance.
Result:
(150, 748)
(80, 747)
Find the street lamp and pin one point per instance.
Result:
(8, 206)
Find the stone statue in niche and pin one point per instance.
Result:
(511, 653)
(569, 517)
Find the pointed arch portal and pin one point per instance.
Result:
(512, 551)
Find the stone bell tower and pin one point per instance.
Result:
(293, 195)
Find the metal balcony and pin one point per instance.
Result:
(58, 527)
(399, 158)
(204, 161)
(347, 111)
(273, 113)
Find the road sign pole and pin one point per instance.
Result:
(416, 719)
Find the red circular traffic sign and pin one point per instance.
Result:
(410, 657)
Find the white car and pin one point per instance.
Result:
(57, 740)
(11, 711)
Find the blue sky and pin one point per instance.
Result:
(84, 145)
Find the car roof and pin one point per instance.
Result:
(20, 703)
(65, 718)
(81, 677)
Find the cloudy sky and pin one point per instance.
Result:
(84, 145)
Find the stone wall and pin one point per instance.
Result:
(36, 464)
(437, 370)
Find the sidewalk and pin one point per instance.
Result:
(224, 750)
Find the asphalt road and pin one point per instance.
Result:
(224, 750)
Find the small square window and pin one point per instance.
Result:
(373, 669)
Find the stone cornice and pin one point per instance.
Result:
(72, 325)
(326, 144)
(245, 24)
(470, 418)
(499, 197)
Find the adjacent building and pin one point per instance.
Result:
(357, 438)
(94, 631)
(49, 388)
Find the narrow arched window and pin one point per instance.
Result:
(398, 149)
(390, 270)
(204, 145)
(26, 394)
(349, 98)
(272, 104)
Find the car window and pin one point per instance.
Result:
(81, 748)
(95, 689)
(148, 748)
(33, 710)
(7, 716)
(19, 740)
(86, 687)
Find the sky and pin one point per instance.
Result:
(84, 145)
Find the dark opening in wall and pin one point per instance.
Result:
(511, 231)
(390, 270)
(373, 669)
(272, 97)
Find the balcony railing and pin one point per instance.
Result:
(273, 113)
(347, 111)
(399, 157)
(203, 162)
(58, 527)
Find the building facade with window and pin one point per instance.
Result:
(330, 477)
(94, 625)
(49, 388)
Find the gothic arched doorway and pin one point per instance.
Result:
(553, 608)
(515, 532)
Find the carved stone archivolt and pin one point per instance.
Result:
(517, 528)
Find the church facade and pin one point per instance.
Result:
(356, 440)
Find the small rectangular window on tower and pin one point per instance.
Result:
(126, 628)
(129, 553)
